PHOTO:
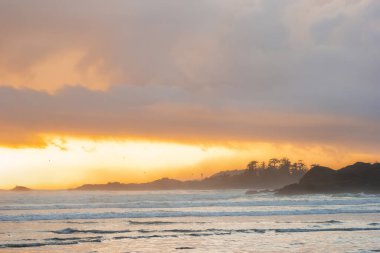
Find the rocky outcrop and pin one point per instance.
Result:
(359, 177)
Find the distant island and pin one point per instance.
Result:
(356, 178)
(21, 189)
(257, 175)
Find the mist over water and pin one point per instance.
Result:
(196, 221)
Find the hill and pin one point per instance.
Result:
(21, 189)
(355, 178)
(276, 173)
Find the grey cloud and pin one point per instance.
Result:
(169, 113)
(203, 67)
(323, 30)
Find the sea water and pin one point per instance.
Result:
(187, 221)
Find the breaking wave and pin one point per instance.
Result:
(166, 213)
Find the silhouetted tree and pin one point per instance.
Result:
(272, 164)
(252, 165)
(262, 168)
(299, 168)
(285, 165)
(275, 171)
(293, 169)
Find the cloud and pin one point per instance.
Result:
(259, 45)
(203, 70)
(167, 113)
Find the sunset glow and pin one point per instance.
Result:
(72, 161)
(133, 91)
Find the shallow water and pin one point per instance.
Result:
(187, 221)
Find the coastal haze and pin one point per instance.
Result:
(189, 126)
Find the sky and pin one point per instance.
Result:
(96, 91)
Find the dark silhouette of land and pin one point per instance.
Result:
(280, 174)
(21, 189)
(273, 174)
(355, 178)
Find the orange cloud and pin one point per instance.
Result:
(57, 69)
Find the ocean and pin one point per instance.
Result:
(187, 221)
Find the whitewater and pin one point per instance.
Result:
(187, 221)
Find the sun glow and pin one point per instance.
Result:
(71, 161)
(68, 161)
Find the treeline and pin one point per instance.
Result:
(279, 167)
(271, 174)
